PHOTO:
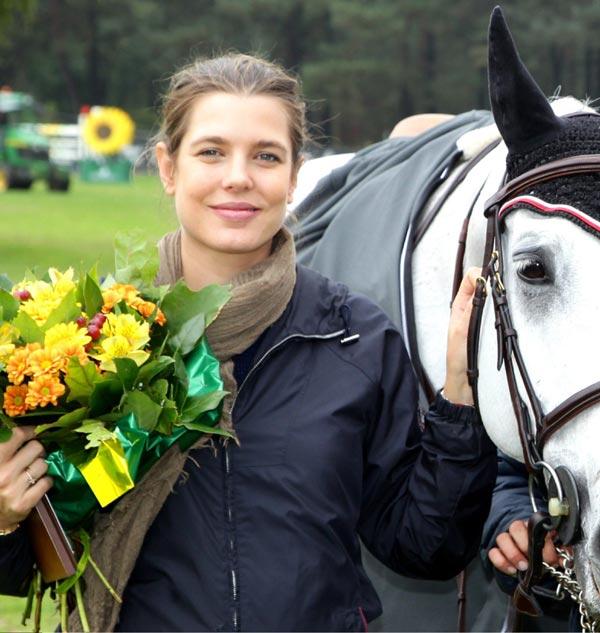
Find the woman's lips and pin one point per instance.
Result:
(235, 210)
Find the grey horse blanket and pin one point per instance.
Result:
(353, 228)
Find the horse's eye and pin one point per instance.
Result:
(532, 271)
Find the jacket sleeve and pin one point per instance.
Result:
(16, 563)
(426, 493)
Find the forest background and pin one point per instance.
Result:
(364, 65)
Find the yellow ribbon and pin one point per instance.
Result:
(107, 474)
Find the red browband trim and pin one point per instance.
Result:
(546, 207)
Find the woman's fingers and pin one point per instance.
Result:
(456, 386)
(500, 562)
(23, 479)
(513, 550)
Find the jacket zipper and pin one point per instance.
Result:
(233, 572)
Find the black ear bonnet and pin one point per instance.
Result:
(532, 132)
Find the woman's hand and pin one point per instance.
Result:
(510, 554)
(23, 480)
(456, 387)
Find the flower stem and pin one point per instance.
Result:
(64, 612)
(37, 617)
(104, 580)
(85, 625)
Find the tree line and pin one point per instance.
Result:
(363, 65)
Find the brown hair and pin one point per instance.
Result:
(233, 73)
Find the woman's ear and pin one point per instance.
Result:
(166, 168)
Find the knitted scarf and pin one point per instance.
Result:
(259, 297)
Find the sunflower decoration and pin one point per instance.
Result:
(107, 130)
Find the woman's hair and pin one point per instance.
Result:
(237, 74)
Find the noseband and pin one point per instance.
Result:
(534, 433)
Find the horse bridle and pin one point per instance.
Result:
(533, 434)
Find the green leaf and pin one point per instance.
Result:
(181, 304)
(5, 434)
(204, 428)
(145, 409)
(95, 433)
(188, 335)
(196, 405)
(81, 380)
(9, 305)
(29, 330)
(71, 419)
(127, 372)
(135, 261)
(167, 418)
(105, 395)
(6, 283)
(149, 370)
(67, 310)
(158, 390)
(92, 296)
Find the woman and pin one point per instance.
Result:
(264, 535)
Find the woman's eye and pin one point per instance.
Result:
(532, 270)
(268, 157)
(209, 153)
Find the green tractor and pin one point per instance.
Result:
(24, 152)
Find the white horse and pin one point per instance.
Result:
(550, 267)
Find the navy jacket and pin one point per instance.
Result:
(265, 536)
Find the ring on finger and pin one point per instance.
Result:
(30, 478)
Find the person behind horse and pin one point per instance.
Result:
(264, 535)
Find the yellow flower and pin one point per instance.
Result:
(116, 293)
(44, 362)
(45, 297)
(66, 335)
(8, 335)
(124, 337)
(62, 282)
(14, 400)
(44, 390)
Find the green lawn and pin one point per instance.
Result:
(11, 611)
(39, 228)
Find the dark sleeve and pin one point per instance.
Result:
(16, 563)
(426, 494)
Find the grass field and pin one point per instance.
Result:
(39, 228)
(42, 229)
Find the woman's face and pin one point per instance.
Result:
(233, 175)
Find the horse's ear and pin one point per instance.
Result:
(521, 111)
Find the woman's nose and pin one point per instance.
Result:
(237, 175)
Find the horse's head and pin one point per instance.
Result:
(548, 238)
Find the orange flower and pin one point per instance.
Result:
(18, 365)
(44, 390)
(116, 293)
(67, 351)
(147, 308)
(14, 400)
(44, 361)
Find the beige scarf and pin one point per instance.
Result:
(259, 298)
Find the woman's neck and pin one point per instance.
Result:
(202, 267)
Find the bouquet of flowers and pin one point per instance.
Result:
(111, 372)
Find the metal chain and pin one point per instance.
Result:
(566, 582)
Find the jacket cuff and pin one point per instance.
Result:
(455, 412)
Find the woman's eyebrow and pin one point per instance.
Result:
(266, 143)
